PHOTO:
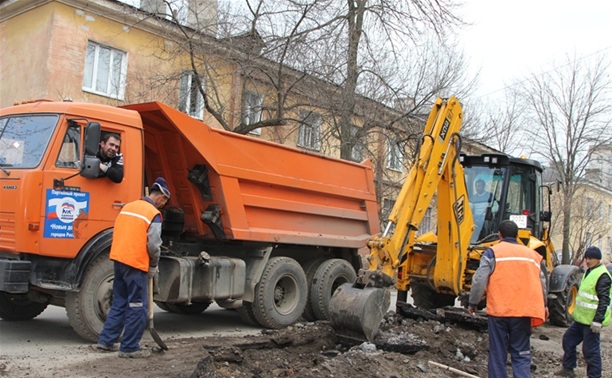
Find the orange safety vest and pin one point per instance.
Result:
(514, 288)
(130, 234)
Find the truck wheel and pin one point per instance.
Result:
(560, 308)
(194, 308)
(88, 307)
(281, 294)
(426, 298)
(310, 268)
(163, 306)
(19, 307)
(330, 275)
(246, 314)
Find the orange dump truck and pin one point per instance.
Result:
(252, 225)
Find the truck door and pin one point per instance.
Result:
(74, 212)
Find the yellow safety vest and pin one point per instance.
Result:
(587, 300)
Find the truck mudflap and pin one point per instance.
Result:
(14, 276)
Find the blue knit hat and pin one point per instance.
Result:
(593, 253)
(161, 185)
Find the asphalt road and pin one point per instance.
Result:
(51, 330)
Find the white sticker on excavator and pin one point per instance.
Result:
(520, 220)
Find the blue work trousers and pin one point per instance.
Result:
(509, 334)
(128, 313)
(580, 333)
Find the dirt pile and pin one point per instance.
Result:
(313, 350)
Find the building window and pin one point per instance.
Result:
(357, 148)
(426, 222)
(589, 207)
(395, 155)
(105, 70)
(191, 100)
(251, 109)
(309, 135)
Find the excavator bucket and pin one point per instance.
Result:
(357, 312)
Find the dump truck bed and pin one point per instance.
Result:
(261, 191)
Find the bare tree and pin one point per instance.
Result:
(569, 113)
(499, 125)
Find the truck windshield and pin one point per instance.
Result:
(24, 139)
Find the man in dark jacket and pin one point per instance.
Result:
(111, 161)
(592, 312)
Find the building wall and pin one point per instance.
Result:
(591, 222)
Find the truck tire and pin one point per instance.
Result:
(327, 278)
(560, 308)
(194, 308)
(88, 307)
(246, 314)
(19, 308)
(425, 297)
(310, 268)
(281, 294)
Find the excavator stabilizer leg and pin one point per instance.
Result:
(357, 312)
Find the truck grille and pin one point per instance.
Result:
(7, 232)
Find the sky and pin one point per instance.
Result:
(509, 40)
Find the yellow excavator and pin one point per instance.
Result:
(474, 194)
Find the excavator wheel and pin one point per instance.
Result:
(355, 312)
(561, 307)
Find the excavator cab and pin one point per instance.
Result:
(503, 188)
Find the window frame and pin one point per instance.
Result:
(115, 82)
(395, 156)
(309, 132)
(187, 90)
(252, 109)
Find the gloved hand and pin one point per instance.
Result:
(152, 271)
(595, 327)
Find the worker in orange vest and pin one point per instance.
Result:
(515, 284)
(135, 252)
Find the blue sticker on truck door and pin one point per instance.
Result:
(62, 209)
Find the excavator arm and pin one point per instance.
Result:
(393, 259)
(436, 169)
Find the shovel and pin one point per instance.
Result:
(154, 333)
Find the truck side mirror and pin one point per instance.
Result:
(545, 216)
(92, 138)
(91, 164)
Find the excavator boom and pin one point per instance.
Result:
(436, 168)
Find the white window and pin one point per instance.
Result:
(309, 135)
(251, 109)
(589, 207)
(395, 155)
(178, 8)
(357, 149)
(105, 71)
(191, 100)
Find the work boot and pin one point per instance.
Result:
(566, 373)
(104, 348)
(140, 353)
